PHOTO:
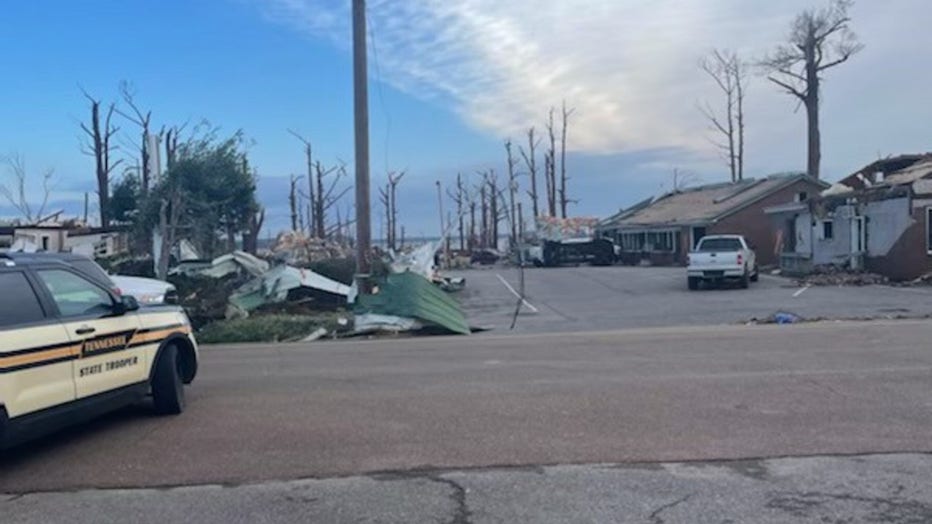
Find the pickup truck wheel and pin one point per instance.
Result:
(745, 280)
(756, 275)
(693, 283)
(167, 387)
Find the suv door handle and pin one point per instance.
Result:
(85, 330)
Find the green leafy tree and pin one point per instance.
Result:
(124, 199)
(208, 196)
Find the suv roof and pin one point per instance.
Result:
(80, 263)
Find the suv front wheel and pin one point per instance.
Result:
(167, 386)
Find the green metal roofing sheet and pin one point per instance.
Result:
(411, 295)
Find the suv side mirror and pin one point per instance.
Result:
(126, 304)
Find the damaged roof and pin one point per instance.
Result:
(887, 172)
(705, 204)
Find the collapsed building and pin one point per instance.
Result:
(878, 219)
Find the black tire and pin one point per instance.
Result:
(756, 276)
(167, 387)
(692, 283)
(745, 280)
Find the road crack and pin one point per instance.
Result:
(655, 517)
(878, 509)
(462, 513)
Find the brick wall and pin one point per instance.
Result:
(907, 259)
(756, 226)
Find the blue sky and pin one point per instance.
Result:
(451, 81)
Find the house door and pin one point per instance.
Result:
(697, 234)
(858, 237)
(789, 243)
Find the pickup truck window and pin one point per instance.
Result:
(719, 244)
(18, 302)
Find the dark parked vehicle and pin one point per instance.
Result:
(485, 257)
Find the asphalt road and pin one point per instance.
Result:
(887, 488)
(588, 298)
(260, 413)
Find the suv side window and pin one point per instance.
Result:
(75, 296)
(18, 301)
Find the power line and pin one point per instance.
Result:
(382, 104)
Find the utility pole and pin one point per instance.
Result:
(361, 114)
(443, 234)
(520, 224)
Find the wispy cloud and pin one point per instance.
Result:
(627, 66)
(620, 64)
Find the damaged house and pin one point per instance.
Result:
(664, 229)
(878, 219)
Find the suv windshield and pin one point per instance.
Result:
(719, 244)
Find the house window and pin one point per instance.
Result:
(45, 243)
(697, 234)
(661, 241)
(828, 229)
(929, 230)
(631, 241)
(802, 196)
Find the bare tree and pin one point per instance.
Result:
(530, 160)
(98, 145)
(171, 209)
(388, 197)
(293, 202)
(471, 241)
(682, 179)
(512, 191)
(386, 226)
(251, 235)
(484, 213)
(459, 198)
(491, 197)
(728, 71)
(550, 168)
(171, 143)
(326, 195)
(494, 210)
(143, 120)
(17, 197)
(564, 199)
(819, 40)
(310, 178)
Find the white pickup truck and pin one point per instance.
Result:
(721, 257)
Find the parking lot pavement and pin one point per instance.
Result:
(878, 488)
(599, 298)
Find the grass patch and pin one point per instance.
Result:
(266, 328)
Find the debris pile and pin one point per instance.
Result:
(422, 261)
(236, 284)
(836, 276)
(410, 295)
(295, 248)
(237, 262)
(922, 280)
(288, 284)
